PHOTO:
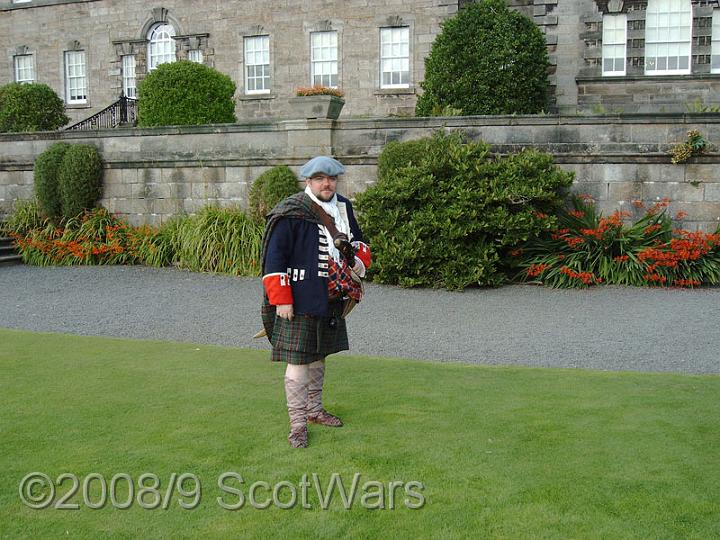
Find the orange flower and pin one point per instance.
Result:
(537, 269)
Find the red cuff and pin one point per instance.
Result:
(362, 252)
(277, 287)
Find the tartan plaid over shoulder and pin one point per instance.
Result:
(296, 206)
(306, 338)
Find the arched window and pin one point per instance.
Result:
(161, 45)
(668, 33)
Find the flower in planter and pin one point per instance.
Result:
(318, 90)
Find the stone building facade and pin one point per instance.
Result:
(613, 56)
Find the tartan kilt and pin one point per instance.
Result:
(305, 339)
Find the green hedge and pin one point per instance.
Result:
(30, 107)
(270, 188)
(185, 93)
(449, 219)
(79, 179)
(46, 182)
(488, 59)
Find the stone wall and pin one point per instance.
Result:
(106, 30)
(152, 174)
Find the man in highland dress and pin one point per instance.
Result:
(313, 257)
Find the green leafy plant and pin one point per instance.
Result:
(588, 249)
(699, 107)
(46, 180)
(396, 155)
(223, 240)
(30, 107)
(270, 188)
(318, 90)
(445, 219)
(79, 179)
(185, 93)
(25, 216)
(94, 238)
(695, 145)
(488, 59)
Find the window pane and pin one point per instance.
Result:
(24, 69)
(257, 64)
(614, 44)
(395, 57)
(323, 58)
(129, 80)
(75, 80)
(161, 46)
(715, 66)
(667, 36)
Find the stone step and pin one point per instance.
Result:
(10, 259)
(8, 255)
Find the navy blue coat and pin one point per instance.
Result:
(299, 247)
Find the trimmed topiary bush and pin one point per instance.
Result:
(488, 59)
(185, 93)
(30, 107)
(80, 179)
(449, 219)
(45, 175)
(270, 188)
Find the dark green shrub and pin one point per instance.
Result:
(79, 179)
(396, 155)
(30, 107)
(185, 93)
(270, 188)
(448, 220)
(488, 59)
(45, 175)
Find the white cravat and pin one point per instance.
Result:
(333, 211)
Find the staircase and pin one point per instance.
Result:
(8, 255)
(121, 113)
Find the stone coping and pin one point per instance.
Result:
(436, 122)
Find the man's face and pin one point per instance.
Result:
(322, 186)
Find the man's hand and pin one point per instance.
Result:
(285, 311)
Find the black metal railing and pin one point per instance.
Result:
(123, 111)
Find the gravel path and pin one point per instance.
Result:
(608, 328)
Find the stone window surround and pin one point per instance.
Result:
(406, 20)
(21, 50)
(17, 68)
(258, 40)
(10, 5)
(255, 31)
(138, 46)
(326, 26)
(636, 12)
(75, 46)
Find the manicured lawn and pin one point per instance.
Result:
(501, 452)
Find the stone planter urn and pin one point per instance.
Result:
(313, 107)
